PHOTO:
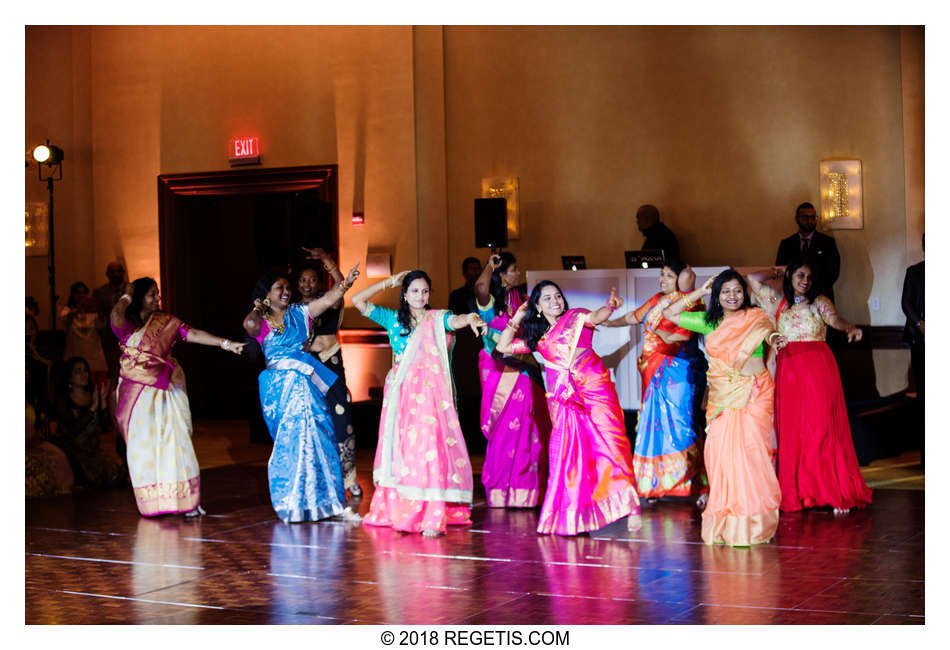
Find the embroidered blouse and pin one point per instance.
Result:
(801, 322)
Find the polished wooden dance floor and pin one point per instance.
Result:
(90, 558)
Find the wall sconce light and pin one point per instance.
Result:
(842, 196)
(505, 188)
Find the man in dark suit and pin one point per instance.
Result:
(818, 249)
(658, 236)
(912, 304)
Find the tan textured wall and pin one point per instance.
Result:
(912, 96)
(58, 109)
(721, 128)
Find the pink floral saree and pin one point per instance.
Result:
(422, 471)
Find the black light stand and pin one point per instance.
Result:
(52, 157)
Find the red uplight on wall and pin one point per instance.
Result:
(357, 219)
(244, 151)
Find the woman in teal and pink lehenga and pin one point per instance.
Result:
(590, 469)
(422, 473)
(514, 416)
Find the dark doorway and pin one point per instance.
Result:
(219, 232)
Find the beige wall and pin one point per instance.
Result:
(722, 128)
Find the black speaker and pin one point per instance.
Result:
(491, 223)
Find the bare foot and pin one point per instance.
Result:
(634, 522)
(197, 512)
(430, 533)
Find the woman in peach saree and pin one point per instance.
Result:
(744, 494)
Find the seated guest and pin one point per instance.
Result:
(47, 469)
(81, 417)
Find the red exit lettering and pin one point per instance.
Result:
(244, 147)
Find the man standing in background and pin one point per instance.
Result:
(658, 236)
(818, 249)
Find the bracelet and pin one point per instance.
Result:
(392, 282)
(258, 309)
(346, 285)
(126, 297)
(225, 345)
(686, 301)
(768, 339)
(330, 267)
(513, 325)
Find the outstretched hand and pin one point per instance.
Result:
(235, 347)
(855, 334)
(315, 253)
(477, 324)
(614, 301)
(353, 274)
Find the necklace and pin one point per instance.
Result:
(274, 325)
(799, 299)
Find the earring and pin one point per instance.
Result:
(539, 315)
(267, 302)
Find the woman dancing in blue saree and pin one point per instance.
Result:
(304, 475)
(667, 454)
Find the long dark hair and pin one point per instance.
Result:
(133, 312)
(535, 325)
(496, 288)
(71, 301)
(715, 312)
(404, 315)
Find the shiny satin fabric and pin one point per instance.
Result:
(667, 454)
(422, 471)
(590, 477)
(514, 419)
(303, 472)
(155, 418)
(744, 493)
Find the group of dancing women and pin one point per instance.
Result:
(555, 431)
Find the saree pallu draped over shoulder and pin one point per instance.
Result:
(744, 495)
(422, 471)
(590, 470)
(155, 418)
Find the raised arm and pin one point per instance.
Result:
(117, 317)
(334, 295)
(204, 338)
(630, 318)
(360, 297)
(601, 315)
(506, 341)
(252, 322)
(329, 266)
(672, 313)
(483, 283)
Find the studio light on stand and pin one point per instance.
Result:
(51, 157)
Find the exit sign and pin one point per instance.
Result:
(244, 151)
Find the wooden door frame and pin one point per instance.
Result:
(173, 187)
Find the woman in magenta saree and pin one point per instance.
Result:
(152, 405)
(590, 469)
(514, 417)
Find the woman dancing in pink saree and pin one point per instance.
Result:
(514, 416)
(590, 468)
(422, 473)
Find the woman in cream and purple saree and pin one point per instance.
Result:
(514, 415)
(422, 473)
(152, 405)
(590, 469)
(744, 495)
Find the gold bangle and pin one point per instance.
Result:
(330, 268)
(686, 301)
